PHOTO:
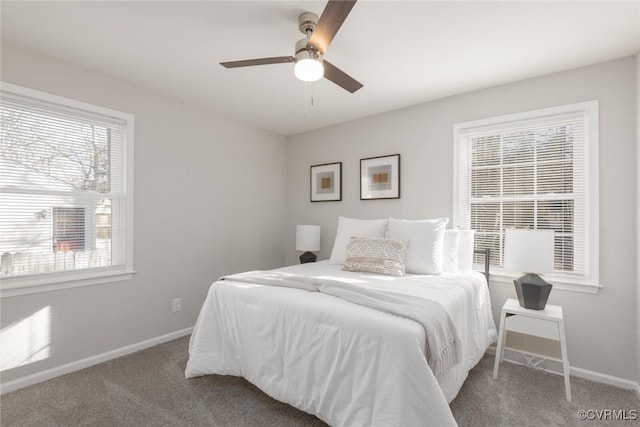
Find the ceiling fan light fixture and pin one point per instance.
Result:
(309, 70)
(308, 66)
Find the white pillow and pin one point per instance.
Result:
(451, 249)
(465, 249)
(426, 238)
(348, 227)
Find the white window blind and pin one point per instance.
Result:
(529, 172)
(64, 202)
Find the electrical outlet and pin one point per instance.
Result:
(177, 304)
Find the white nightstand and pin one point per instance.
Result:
(547, 323)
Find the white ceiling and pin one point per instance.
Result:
(404, 52)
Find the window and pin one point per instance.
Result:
(65, 192)
(68, 229)
(535, 170)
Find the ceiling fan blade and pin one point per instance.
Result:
(329, 23)
(260, 61)
(339, 77)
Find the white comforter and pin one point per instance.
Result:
(350, 365)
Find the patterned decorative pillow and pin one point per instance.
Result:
(376, 255)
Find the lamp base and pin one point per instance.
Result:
(533, 291)
(308, 257)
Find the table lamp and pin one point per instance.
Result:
(530, 252)
(308, 239)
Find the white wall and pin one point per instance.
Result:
(638, 214)
(600, 328)
(209, 200)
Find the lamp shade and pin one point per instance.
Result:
(529, 251)
(308, 237)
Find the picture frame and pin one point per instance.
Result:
(326, 182)
(380, 177)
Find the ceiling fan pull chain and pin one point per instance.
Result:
(308, 99)
(311, 100)
(306, 112)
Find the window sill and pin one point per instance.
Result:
(559, 283)
(16, 286)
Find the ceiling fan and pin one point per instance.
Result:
(310, 64)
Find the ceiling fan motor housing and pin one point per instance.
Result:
(304, 51)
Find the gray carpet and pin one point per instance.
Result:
(148, 389)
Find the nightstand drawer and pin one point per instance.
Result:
(532, 326)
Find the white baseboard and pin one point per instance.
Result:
(89, 361)
(123, 351)
(510, 355)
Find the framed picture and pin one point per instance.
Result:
(326, 182)
(380, 177)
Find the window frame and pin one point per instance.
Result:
(44, 282)
(590, 282)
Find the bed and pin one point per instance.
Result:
(354, 348)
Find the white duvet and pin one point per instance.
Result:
(348, 364)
